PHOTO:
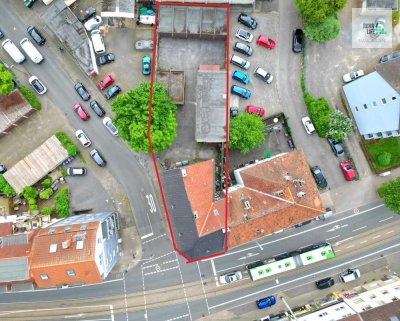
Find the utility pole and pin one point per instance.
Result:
(288, 307)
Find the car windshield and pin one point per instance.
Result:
(38, 85)
(243, 33)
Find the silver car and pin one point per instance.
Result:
(230, 277)
(93, 23)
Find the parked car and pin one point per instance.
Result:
(265, 42)
(82, 137)
(81, 90)
(144, 45)
(325, 283)
(230, 277)
(112, 92)
(110, 126)
(266, 302)
(37, 85)
(390, 56)
(243, 48)
(353, 75)
(105, 82)
(319, 177)
(297, 40)
(336, 147)
(98, 158)
(244, 35)
(146, 65)
(241, 92)
(36, 35)
(264, 75)
(81, 112)
(86, 14)
(259, 111)
(97, 108)
(3, 169)
(349, 275)
(93, 23)
(76, 171)
(234, 112)
(105, 59)
(240, 62)
(29, 3)
(348, 171)
(247, 21)
(308, 125)
(1, 35)
(241, 77)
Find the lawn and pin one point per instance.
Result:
(389, 145)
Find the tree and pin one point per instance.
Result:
(390, 193)
(29, 192)
(314, 11)
(46, 182)
(46, 194)
(132, 112)
(325, 30)
(6, 188)
(384, 159)
(47, 210)
(61, 202)
(340, 126)
(246, 132)
(6, 81)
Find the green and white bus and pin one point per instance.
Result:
(290, 261)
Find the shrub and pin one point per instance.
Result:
(46, 194)
(33, 207)
(30, 192)
(61, 201)
(67, 143)
(325, 30)
(395, 18)
(31, 98)
(384, 159)
(6, 188)
(319, 112)
(47, 210)
(46, 182)
(31, 201)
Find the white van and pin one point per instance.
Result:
(349, 275)
(31, 51)
(240, 62)
(13, 51)
(98, 43)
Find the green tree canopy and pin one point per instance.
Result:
(246, 132)
(390, 193)
(61, 202)
(340, 126)
(131, 118)
(314, 11)
(325, 30)
(6, 81)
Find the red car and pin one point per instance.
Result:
(107, 81)
(255, 110)
(81, 112)
(266, 42)
(348, 171)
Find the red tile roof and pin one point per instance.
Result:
(352, 318)
(18, 250)
(6, 228)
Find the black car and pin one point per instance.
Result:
(247, 21)
(336, 147)
(97, 108)
(319, 177)
(36, 35)
(105, 59)
(112, 92)
(242, 48)
(297, 44)
(325, 283)
(86, 14)
(3, 169)
(390, 56)
(81, 90)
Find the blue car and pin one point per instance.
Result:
(240, 76)
(29, 3)
(241, 92)
(146, 65)
(266, 302)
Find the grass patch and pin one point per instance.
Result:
(377, 148)
(31, 98)
(67, 143)
(61, 202)
(395, 18)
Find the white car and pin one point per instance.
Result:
(308, 125)
(37, 85)
(244, 35)
(76, 171)
(353, 75)
(230, 277)
(82, 137)
(93, 23)
(110, 126)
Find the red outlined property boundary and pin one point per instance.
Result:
(227, 7)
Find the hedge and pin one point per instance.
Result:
(61, 202)
(46, 182)
(67, 143)
(6, 188)
(47, 210)
(46, 194)
(31, 98)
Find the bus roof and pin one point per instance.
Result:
(272, 268)
(320, 254)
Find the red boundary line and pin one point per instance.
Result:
(227, 7)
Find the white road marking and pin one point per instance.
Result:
(333, 237)
(183, 286)
(177, 318)
(159, 270)
(50, 309)
(112, 312)
(342, 241)
(376, 236)
(202, 285)
(385, 219)
(153, 239)
(144, 296)
(350, 246)
(248, 255)
(213, 267)
(304, 277)
(126, 300)
(360, 228)
(364, 242)
(157, 258)
(389, 232)
(146, 236)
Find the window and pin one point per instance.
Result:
(374, 103)
(52, 231)
(70, 272)
(98, 241)
(44, 276)
(67, 229)
(372, 296)
(383, 101)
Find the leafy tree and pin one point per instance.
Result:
(31, 201)
(390, 193)
(47, 210)
(132, 112)
(6, 81)
(325, 30)
(384, 159)
(246, 132)
(67, 143)
(6, 188)
(29, 192)
(46, 194)
(33, 207)
(46, 182)
(314, 11)
(61, 202)
(340, 126)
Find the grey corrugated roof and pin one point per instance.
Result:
(15, 239)
(14, 270)
(390, 71)
(373, 119)
(382, 4)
